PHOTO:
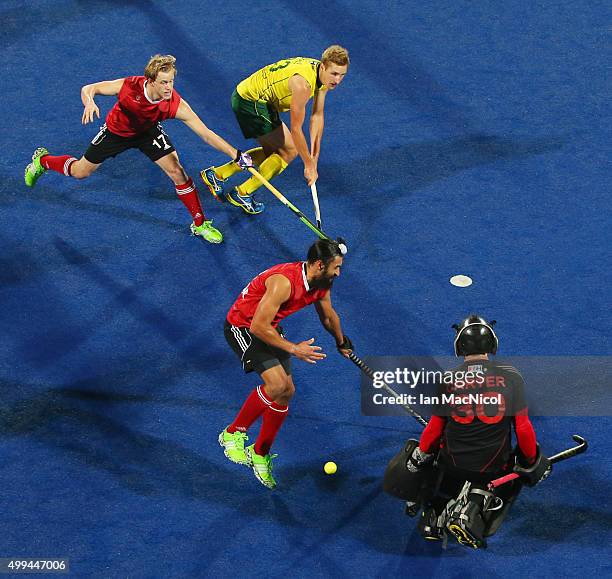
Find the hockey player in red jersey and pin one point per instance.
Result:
(135, 122)
(252, 330)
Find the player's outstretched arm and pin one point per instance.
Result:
(186, 114)
(316, 125)
(300, 93)
(89, 91)
(331, 322)
(278, 290)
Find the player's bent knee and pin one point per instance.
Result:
(289, 389)
(287, 155)
(81, 176)
(80, 172)
(177, 175)
(276, 388)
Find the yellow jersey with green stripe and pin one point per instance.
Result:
(270, 84)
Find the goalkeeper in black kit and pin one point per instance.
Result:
(467, 444)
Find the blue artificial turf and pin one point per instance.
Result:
(467, 138)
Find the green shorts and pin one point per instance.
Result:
(255, 118)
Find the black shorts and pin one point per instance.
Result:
(154, 143)
(254, 353)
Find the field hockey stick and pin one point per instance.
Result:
(315, 201)
(370, 374)
(288, 204)
(563, 455)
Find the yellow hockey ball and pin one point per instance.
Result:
(330, 468)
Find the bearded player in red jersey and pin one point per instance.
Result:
(252, 330)
(134, 122)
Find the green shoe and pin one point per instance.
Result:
(35, 170)
(207, 231)
(262, 466)
(233, 446)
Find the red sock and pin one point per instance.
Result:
(188, 194)
(60, 164)
(251, 410)
(273, 419)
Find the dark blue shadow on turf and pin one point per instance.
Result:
(144, 464)
(78, 201)
(83, 426)
(17, 264)
(413, 166)
(46, 16)
(403, 77)
(218, 88)
(69, 335)
(126, 297)
(392, 174)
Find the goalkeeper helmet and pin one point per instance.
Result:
(475, 336)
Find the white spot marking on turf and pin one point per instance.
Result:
(461, 280)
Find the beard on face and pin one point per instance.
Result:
(323, 282)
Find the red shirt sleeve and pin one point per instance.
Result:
(430, 439)
(525, 435)
(175, 101)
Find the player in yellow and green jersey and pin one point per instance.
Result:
(286, 85)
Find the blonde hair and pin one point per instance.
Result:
(159, 63)
(336, 54)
